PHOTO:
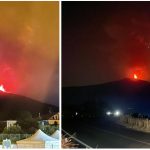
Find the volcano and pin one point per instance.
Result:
(12, 104)
(124, 94)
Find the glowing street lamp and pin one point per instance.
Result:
(117, 113)
(108, 113)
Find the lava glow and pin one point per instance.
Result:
(2, 88)
(135, 77)
(137, 73)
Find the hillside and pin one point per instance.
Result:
(12, 104)
(124, 94)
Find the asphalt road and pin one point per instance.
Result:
(106, 134)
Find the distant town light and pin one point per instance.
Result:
(76, 113)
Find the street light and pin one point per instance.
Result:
(108, 113)
(117, 113)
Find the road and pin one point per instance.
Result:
(107, 134)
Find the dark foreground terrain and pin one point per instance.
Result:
(105, 133)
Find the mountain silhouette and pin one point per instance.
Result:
(12, 104)
(124, 94)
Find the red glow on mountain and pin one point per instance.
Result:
(137, 74)
(8, 79)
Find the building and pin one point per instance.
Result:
(11, 123)
(54, 119)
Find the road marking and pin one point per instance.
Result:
(79, 141)
(123, 136)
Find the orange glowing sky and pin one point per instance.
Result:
(29, 46)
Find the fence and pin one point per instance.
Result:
(13, 137)
(136, 123)
(84, 145)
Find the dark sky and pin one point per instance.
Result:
(29, 49)
(104, 41)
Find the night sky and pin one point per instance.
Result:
(105, 41)
(29, 46)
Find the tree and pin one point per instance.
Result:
(13, 130)
(2, 126)
(27, 123)
(23, 115)
(50, 129)
(55, 123)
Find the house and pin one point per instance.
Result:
(54, 119)
(11, 123)
(43, 124)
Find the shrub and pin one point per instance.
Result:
(13, 130)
